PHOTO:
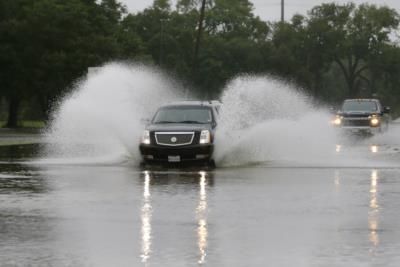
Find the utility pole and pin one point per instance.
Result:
(199, 33)
(282, 11)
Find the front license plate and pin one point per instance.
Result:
(174, 158)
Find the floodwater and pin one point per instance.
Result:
(287, 190)
(258, 215)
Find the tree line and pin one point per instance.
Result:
(333, 52)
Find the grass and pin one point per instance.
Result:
(28, 132)
(27, 124)
(17, 142)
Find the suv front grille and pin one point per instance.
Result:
(174, 138)
(356, 122)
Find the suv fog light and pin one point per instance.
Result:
(146, 137)
(205, 137)
(201, 156)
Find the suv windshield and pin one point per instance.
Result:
(366, 106)
(183, 115)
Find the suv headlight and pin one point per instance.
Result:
(146, 137)
(205, 137)
(337, 121)
(374, 121)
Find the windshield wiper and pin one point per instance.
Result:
(165, 122)
(190, 122)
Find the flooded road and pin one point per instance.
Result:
(289, 190)
(263, 215)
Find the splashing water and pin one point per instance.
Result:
(102, 119)
(264, 119)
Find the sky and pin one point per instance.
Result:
(269, 10)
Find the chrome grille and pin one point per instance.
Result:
(174, 138)
(356, 122)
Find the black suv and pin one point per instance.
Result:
(181, 132)
(362, 116)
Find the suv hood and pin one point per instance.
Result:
(357, 113)
(178, 127)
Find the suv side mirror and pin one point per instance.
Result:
(386, 110)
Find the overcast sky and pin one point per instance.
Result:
(270, 9)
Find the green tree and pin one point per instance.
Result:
(130, 42)
(352, 37)
(13, 72)
(52, 43)
(234, 39)
(290, 57)
(385, 76)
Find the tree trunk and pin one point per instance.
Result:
(352, 86)
(349, 74)
(13, 107)
(45, 105)
(198, 38)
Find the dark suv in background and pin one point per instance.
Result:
(362, 116)
(181, 132)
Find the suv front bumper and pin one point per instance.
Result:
(360, 129)
(157, 153)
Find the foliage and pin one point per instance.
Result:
(47, 44)
(334, 51)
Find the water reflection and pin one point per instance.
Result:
(18, 152)
(202, 231)
(371, 148)
(374, 149)
(337, 180)
(373, 218)
(373, 211)
(198, 180)
(146, 219)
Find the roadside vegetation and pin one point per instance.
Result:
(26, 124)
(333, 52)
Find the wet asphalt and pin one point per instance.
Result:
(259, 215)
